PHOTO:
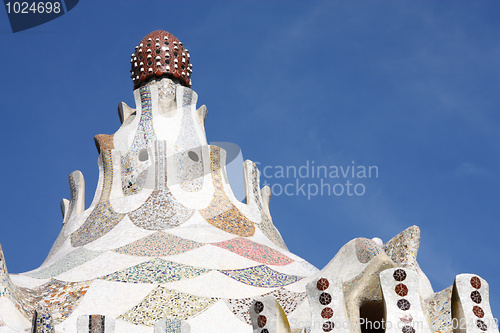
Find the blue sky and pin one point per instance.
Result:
(406, 86)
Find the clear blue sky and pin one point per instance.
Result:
(410, 87)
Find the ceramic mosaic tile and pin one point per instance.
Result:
(288, 300)
(163, 303)
(189, 162)
(159, 244)
(265, 225)
(70, 261)
(221, 213)
(439, 311)
(166, 88)
(156, 271)
(403, 247)
(255, 251)
(161, 210)
(261, 276)
(134, 167)
(97, 324)
(172, 325)
(59, 297)
(366, 250)
(104, 142)
(43, 323)
(103, 218)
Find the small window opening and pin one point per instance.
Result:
(371, 316)
(143, 155)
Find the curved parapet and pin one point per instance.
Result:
(403, 249)
(471, 305)
(403, 307)
(327, 305)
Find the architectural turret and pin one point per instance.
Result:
(165, 246)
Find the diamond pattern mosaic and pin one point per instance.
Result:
(163, 303)
(158, 244)
(156, 271)
(255, 251)
(261, 276)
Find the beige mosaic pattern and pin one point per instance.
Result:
(403, 247)
(189, 162)
(438, 308)
(103, 218)
(221, 213)
(163, 303)
(159, 244)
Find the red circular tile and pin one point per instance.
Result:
(261, 321)
(478, 311)
(475, 282)
(322, 284)
(401, 290)
(327, 313)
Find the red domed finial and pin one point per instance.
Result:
(160, 54)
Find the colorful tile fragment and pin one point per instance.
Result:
(59, 297)
(134, 165)
(97, 324)
(161, 210)
(156, 271)
(403, 247)
(159, 244)
(439, 310)
(255, 251)
(261, 276)
(43, 323)
(189, 162)
(366, 250)
(221, 213)
(163, 303)
(103, 218)
(288, 300)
